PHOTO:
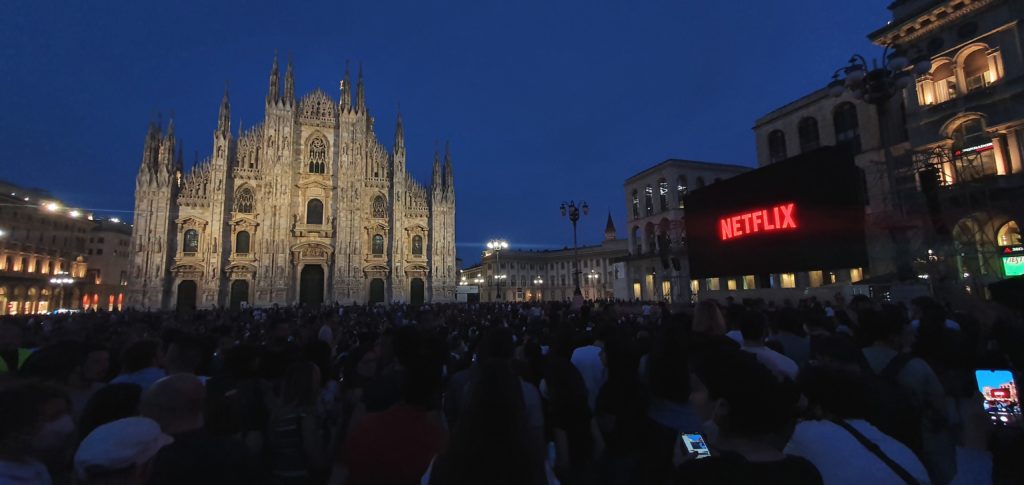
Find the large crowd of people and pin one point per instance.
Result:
(541, 393)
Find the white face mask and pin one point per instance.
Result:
(54, 433)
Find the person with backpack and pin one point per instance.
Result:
(897, 372)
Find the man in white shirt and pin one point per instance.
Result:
(754, 331)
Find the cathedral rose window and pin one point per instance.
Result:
(379, 211)
(244, 200)
(317, 156)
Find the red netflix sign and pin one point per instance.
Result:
(781, 217)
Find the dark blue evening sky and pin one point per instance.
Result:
(542, 100)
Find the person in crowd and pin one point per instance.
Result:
(395, 446)
(185, 354)
(574, 431)
(196, 456)
(120, 452)
(587, 360)
(755, 330)
(885, 358)
(112, 402)
(88, 377)
(837, 438)
(621, 411)
(34, 424)
(296, 442)
(141, 364)
(754, 414)
(491, 444)
(12, 354)
(791, 336)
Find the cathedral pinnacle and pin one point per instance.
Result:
(275, 83)
(399, 133)
(289, 85)
(436, 179)
(360, 94)
(346, 91)
(224, 115)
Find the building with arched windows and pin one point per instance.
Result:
(306, 207)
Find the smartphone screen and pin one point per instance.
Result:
(695, 443)
(998, 389)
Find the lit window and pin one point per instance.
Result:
(191, 241)
(649, 200)
(663, 195)
(1009, 234)
(787, 280)
(731, 284)
(749, 283)
(636, 204)
(680, 189)
(816, 277)
(856, 274)
(712, 284)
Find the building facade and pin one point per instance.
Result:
(306, 207)
(107, 251)
(963, 179)
(657, 268)
(511, 275)
(40, 239)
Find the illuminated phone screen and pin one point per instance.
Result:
(999, 391)
(695, 443)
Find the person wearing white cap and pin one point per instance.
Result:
(120, 452)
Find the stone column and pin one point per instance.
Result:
(1013, 145)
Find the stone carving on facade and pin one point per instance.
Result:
(318, 109)
(193, 191)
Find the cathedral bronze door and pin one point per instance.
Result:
(186, 296)
(239, 293)
(416, 291)
(311, 285)
(376, 291)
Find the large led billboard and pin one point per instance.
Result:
(805, 213)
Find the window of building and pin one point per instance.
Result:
(976, 70)
(244, 200)
(649, 200)
(975, 146)
(749, 282)
(1009, 234)
(417, 245)
(191, 243)
(317, 155)
(787, 280)
(636, 205)
(711, 284)
(776, 146)
(847, 128)
(680, 189)
(99, 252)
(663, 195)
(100, 240)
(89, 252)
(242, 242)
(378, 245)
(731, 284)
(315, 212)
(817, 278)
(856, 274)
(379, 207)
(943, 87)
(807, 129)
(563, 280)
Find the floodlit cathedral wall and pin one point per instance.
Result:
(307, 207)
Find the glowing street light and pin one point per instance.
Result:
(497, 245)
(74, 213)
(52, 206)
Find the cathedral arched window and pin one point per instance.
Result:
(242, 242)
(314, 212)
(244, 200)
(191, 244)
(317, 155)
(417, 245)
(379, 211)
(378, 245)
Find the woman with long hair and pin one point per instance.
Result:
(491, 444)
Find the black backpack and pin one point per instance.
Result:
(893, 408)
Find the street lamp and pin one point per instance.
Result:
(496, 245)
(61, 280)
(876, 85)
(573, 212)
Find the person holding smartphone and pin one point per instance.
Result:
(755, 413)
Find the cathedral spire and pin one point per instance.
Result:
(399, 133)
(346, 91)
(224, 116)
(360, 94)
(449, 181)
(289, 84)
(151, 147)
(609, 229)
(275, 83)
(436, 178)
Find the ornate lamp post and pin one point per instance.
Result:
(497, 245)
(592, 278)
(876, 85)
(573, 212)
(538, 281)
(61, 280)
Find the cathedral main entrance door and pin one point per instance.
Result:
(186, 296)
(376, 291)
(239, 293)
(416, 291)
(311, 285)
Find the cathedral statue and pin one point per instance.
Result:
(306, 181)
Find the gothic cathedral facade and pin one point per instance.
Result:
(306, 208)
